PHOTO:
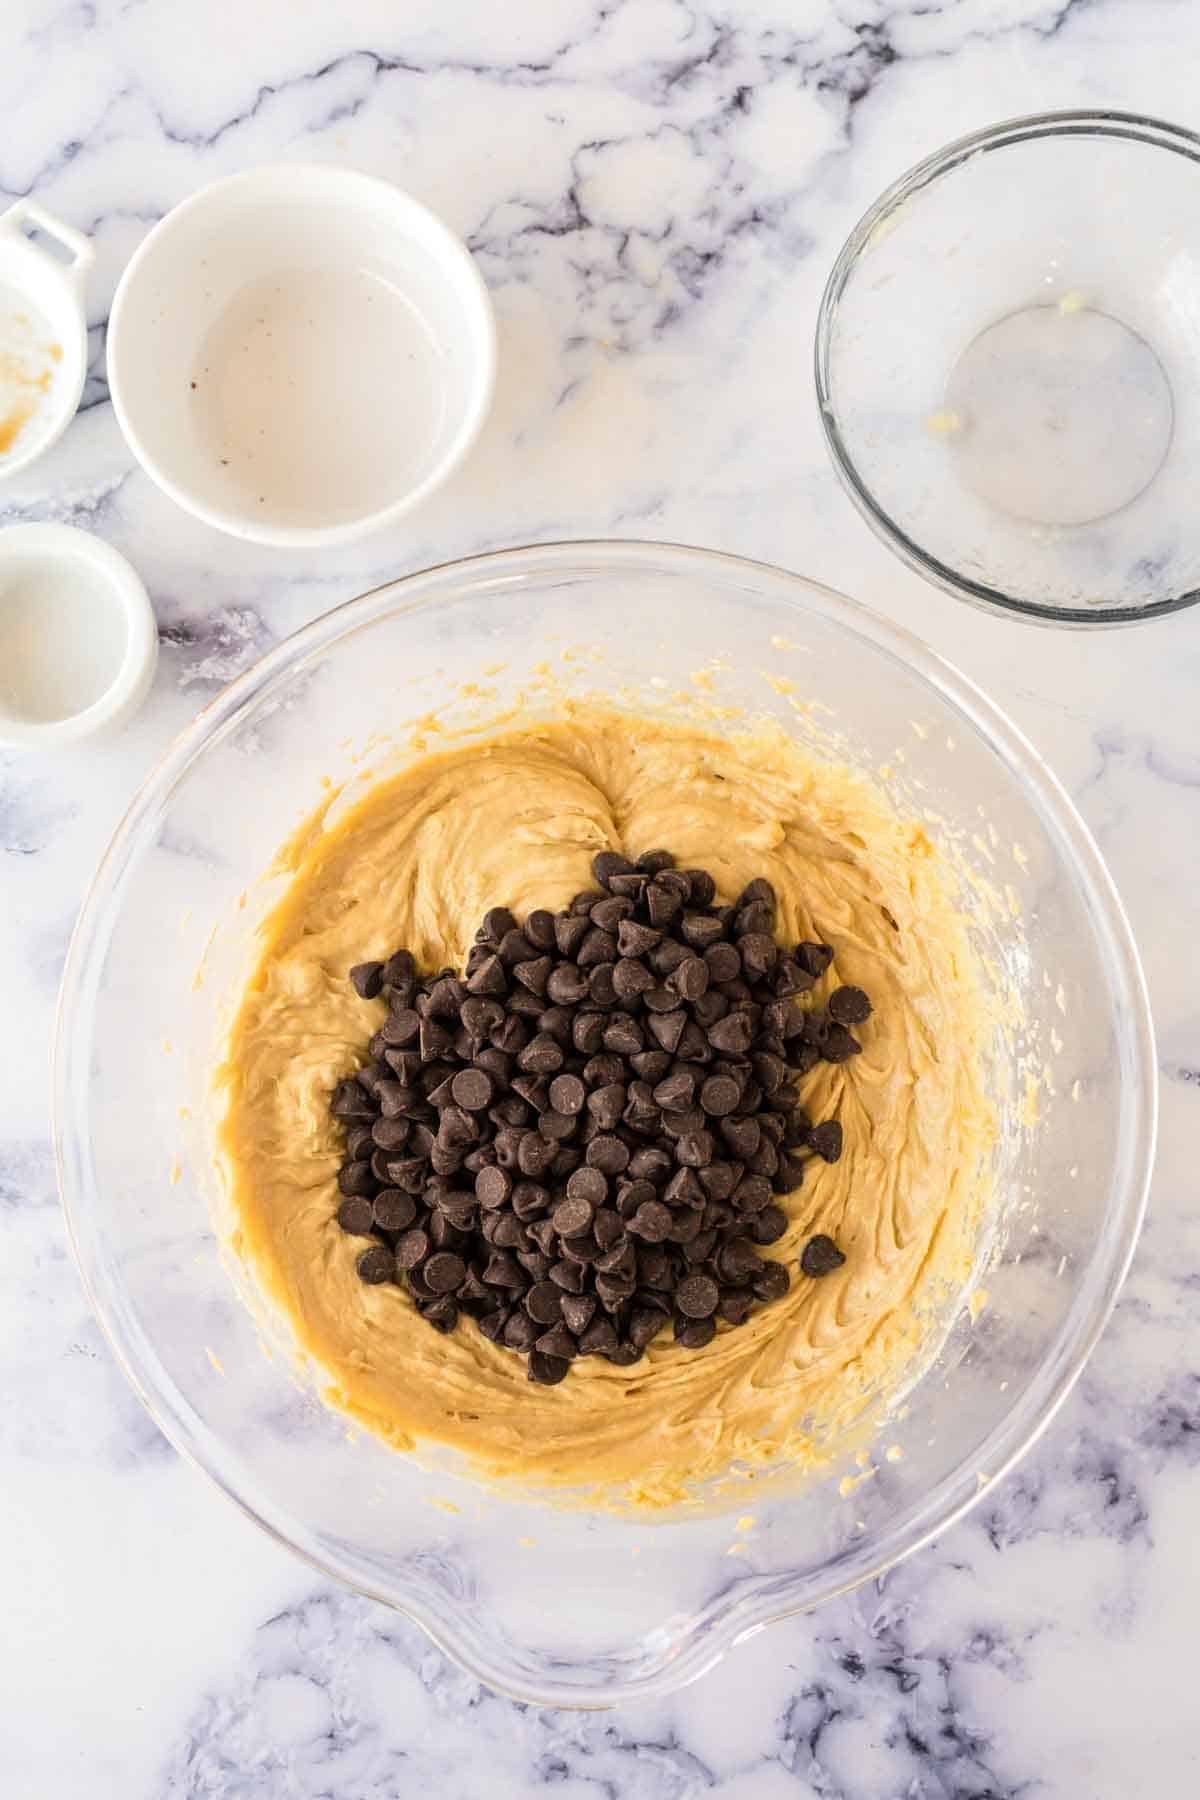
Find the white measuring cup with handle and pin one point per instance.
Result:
(43, 330)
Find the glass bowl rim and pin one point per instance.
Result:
(717, 1626)
(1128, 127)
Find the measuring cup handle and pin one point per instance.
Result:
(82, 254)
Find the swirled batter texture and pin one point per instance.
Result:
(516, 821)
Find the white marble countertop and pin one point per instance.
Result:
(655, 190)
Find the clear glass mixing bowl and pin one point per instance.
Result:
(562, 1607)
(1007, 367)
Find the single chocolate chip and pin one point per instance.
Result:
(676, 1092)
(356, 1178)
(493, 1186)
(375, 1265)
(771, 1281)
(770, 1071)
(666, 1028)
(607, 1155)
(400, 970)
(590, 1185)
(566, 985)
(535, 1154)
(503, 1270)
(719, 1179)
(558, 1126)
(570, 931)
(693, 1334)
(826, 1140)
(543, 1303)
(547, 1370)
(722, 962)
(394, 1210)
(443, 1314)
(520, 1333)
(587, 1032)
(567, 1094)
(690, 978)
(445, 1272)
(599, 1339)
(789, 979)
(609, 914)
(412, 1248)
(662, 902)
(630, 979)
(568, 1276)
(736, 1305)
(351, 1101)
(557, 1342)
(597, 947)
(356, 1215)
(700, 930)
(435, 1041)
(472, 1090)
(367, 979)
(530, 1200)
(752, 1193)
(820, 1256)
(814, 959)
(684, 1189)
(539, 929)
(732, 1035)
(496, 922)
(573, 1215)
(361, 1141)
(651, 1222)
(837, 1045)
(623, 1036)
(514, 947)
(602, 986)
(492, 1325)
(697, 1296)
(608, 863)
(511, 1036)
(742, 1135)
(541, 1056)
(695, 1149)
(650, 1164)
(720, 1096)
(458, 1208)
(577, 1311)
(391, 1134)
(606, 1104)
(635, 939)
(849, 1006)
(533, 975)
(488, 978)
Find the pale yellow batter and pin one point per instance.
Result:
(516, 821)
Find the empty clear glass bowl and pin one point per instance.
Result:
(560, 1607)
(1008, 367)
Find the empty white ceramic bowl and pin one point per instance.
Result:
(300, 353)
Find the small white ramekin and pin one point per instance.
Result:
(246, 307)
(78, 639)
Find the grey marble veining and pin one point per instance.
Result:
(654, 191)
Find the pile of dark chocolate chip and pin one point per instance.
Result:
(581, 1140)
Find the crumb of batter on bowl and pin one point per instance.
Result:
(515, 819)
